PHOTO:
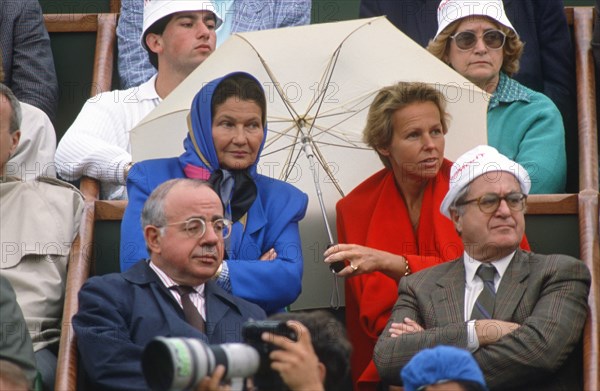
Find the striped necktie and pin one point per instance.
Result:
(484, 305)
(191, 313)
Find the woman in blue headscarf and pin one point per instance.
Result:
(227, 134)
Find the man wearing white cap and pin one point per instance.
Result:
(178, 35)
(520, 313)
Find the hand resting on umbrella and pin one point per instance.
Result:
(363, 260)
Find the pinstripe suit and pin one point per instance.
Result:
(546, 295)
(27, 56)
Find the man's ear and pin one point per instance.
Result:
(153, 238)
(154, 42)
(457, 220)
(14, 138)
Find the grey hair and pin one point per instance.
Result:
(16, 115)
(153, 212)
(461, 197)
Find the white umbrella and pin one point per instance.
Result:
(319, 80)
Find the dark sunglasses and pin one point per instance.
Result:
(466, 40)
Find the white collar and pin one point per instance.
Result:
(168, 281)
(147, 90)
(471, 265)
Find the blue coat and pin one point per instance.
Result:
(272, 223)
(546, 64)
(120, 313)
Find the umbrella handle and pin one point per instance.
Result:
(336, 266)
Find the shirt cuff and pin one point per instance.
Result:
(472, 340)
(223, 279)
(119, 163)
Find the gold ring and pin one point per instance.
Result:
(354, 268)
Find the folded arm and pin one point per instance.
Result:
(277, 283)
(96, 145)
(547, 336)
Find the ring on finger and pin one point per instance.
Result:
(354, 268)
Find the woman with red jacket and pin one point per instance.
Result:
(390, 225)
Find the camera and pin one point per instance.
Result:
(266, 378)
(180, 363)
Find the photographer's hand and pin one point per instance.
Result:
(213, 383)
(296, 362)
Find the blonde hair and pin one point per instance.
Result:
(379, 129)
(512, 49)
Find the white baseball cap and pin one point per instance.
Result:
(479, 161)
(451, 10)
(155, 10)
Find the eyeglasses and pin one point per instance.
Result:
(466, 40)
(196, 227)
(489, 203)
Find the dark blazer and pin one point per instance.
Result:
(547, 63)
(120, 313)
(545, 295)
(27, 56)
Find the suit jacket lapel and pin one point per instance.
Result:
(512, 287)
(449, 295)
(217, 306)
(142, 274)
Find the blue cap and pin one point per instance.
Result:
(440, 365)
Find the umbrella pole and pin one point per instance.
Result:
(310, 154)
(334, 299)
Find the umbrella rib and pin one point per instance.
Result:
(289, 169)
(331, 68)
(328, 74)
(278, 136)
(288, 105)
(326, 168)
(328, 71)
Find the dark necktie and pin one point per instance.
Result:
(192, 315)
(484, 305)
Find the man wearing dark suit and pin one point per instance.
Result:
(523, 322)
(27, 55)
(120, 313)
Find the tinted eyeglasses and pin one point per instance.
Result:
(196, 227)
(466, 40)
(489, 203)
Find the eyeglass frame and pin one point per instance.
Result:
(225, 233)
(504, 35)
(522, 202)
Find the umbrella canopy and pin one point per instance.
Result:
(319, 80)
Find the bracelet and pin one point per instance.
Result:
(406, 267)
(126, 169)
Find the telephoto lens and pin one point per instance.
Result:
(180, 363)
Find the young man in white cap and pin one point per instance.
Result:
(520, 313)
(178, 35)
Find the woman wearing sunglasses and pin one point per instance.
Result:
(478, 41)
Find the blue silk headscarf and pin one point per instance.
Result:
(200, 157)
